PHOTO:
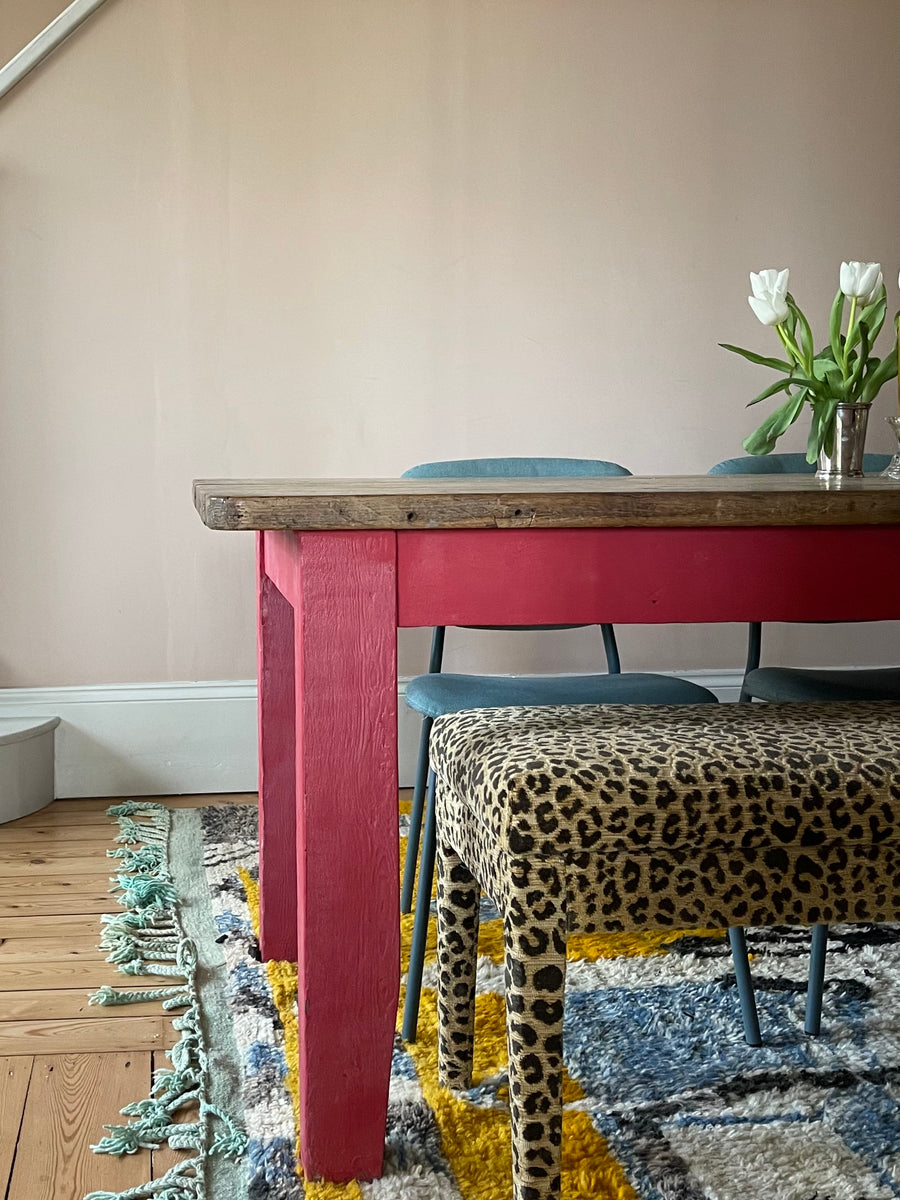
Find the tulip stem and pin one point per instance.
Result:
(792, 348)
(853, 303)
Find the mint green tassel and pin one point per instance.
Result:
(108, 996)
(181, 1182)
(144, 861)
(130, 807)
(144, 891)
(147, 939)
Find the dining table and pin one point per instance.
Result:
(342, 564)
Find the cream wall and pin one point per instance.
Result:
(315, 237)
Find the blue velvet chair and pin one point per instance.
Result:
(799, 684)
(437, 694)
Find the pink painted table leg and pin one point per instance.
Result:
(342, 588)
(277, 769)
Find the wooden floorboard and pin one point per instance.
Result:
(70, 1098)
(76, 925)
(16, 834)
(88, 1036)
(58, 903)
(15, 1074)
(21, 864)
(93, 812)
(82, 973)
(68, 1067)
(49, 854)
(58, 948)
(40, 886)
(69, 1004)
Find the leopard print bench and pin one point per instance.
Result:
(613, 818)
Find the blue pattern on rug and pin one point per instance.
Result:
(655, 1043)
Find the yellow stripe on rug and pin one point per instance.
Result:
(475, 1134)
(282, 978)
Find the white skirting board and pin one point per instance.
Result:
(151, 739)
(159, 739)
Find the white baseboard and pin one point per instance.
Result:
(159, 739)
(153, 739)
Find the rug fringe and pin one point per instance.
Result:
(147, 939)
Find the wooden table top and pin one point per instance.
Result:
(542, 503)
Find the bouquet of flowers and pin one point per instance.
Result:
(845, 371)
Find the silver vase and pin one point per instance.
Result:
(846, 458)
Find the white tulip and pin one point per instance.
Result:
(859, 279)
(767, 312)
(875, 292)
(769, 291)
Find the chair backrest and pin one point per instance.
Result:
(786, 464)
(521, 468)
(515, 468)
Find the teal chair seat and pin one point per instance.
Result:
(517, 468)
(787, 464)
(437, 695)
(794, 683)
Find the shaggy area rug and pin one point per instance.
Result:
(663, 1098)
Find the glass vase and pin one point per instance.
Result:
(892, 470)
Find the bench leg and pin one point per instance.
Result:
(457, 952)
(534, 930)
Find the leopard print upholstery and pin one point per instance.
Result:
(617, 817)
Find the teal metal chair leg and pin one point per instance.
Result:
(415, 819)
(436, 658)
(746, 997)
(818, 950)
(611, 649)
(736, 936)
(435, 663)
(423, 912)
(816, 985)
(754, 653)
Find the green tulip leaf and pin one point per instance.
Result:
(763, 439)
(835, 386)
(860, 362)
(781, 386)
(812, 443)
(821, 430)
(814, 386)
(886, 369)
(873, 315)
(806, 337)
(777, 364)
(822, 364)
(834, 325)
(790, 324)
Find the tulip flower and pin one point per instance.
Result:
(875, 292)
(813, 376)
(768, 300)
(859, 279)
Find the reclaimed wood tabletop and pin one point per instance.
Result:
(626, 501)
